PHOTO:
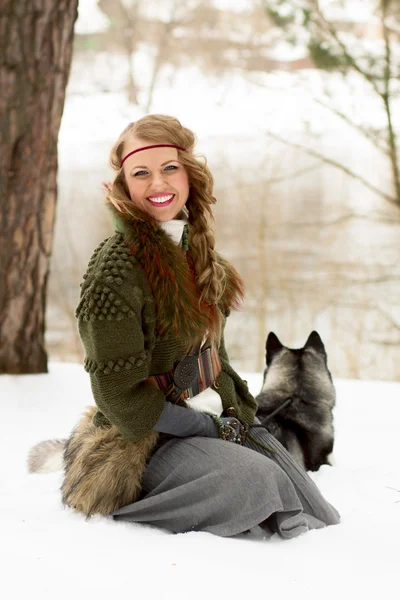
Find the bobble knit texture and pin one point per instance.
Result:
(117, 324)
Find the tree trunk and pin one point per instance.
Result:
(35, 58)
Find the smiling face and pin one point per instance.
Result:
(157, 181)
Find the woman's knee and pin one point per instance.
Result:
(225, 461)
(244, 466)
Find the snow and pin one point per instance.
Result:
(356, 11)
(236, 6)
(90, 18)
(48, 551)
(164, 10)
(284, 51)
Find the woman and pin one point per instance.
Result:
(169, 442)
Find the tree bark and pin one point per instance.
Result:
(35, 57)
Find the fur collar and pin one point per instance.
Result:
(170, 273)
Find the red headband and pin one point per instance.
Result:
(147, 147)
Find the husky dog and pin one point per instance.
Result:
(305, 425)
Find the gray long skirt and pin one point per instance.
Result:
(206, 484)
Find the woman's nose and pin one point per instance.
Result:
(158, 178)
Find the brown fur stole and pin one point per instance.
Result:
(103, 471)
(172, 280)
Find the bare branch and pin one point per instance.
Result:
(130, 16)
(383, 217)
(330, 29)
(332, 222)
(383, 342)
(363, 130)
(393, 153)
(381, 279)
(163, 38)
(294, 174)
(392, 200)
(395, 324)
(367, 134)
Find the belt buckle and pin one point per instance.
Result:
(186, 372)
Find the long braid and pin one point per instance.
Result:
(210, 276)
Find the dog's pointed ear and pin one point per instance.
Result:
(272, 346)
(314, 341)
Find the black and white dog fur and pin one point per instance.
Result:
(305, 426)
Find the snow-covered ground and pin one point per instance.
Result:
(51, 552)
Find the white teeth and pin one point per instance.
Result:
(161, 199)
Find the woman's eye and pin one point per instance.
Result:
(171, 167)
(139, 173)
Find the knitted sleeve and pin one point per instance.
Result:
(118, 335)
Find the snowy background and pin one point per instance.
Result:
(316, 248)
(49, 552)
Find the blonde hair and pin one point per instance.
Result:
(210, 275)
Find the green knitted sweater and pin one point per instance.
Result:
(117, 324)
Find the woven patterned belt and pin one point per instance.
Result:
(192, 375)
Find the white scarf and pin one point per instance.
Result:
(174, 227)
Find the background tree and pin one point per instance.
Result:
(178, 33)
(35, 57)
(339, 46)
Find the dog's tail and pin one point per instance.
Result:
(46, 456)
